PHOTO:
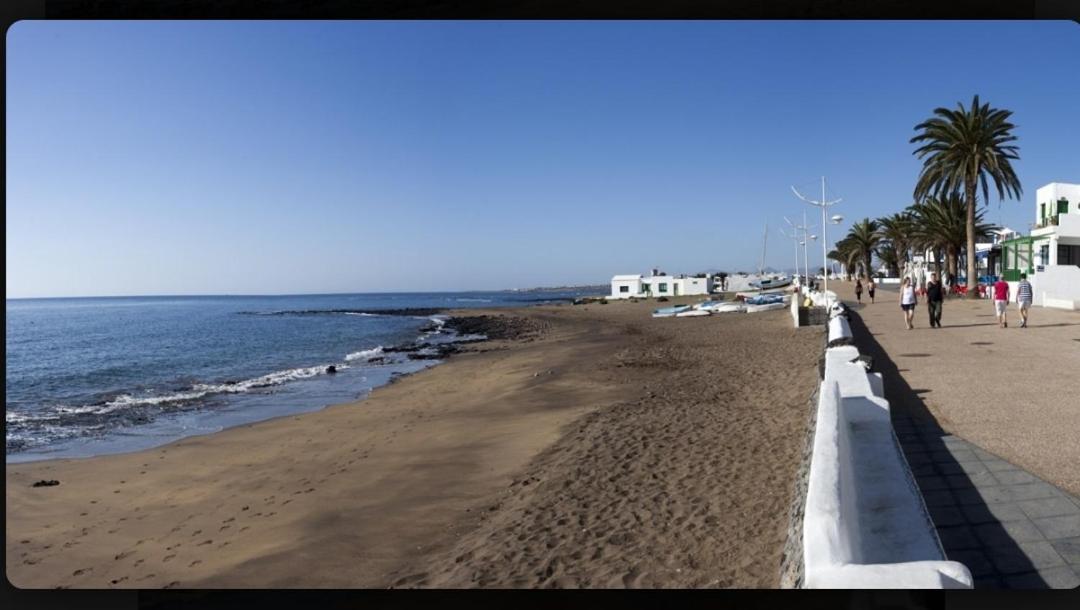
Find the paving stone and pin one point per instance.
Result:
(1048, 507)
(952, 467)
(974, 467)
(1024, 557)
(983, 495)
(964, 481)
(919, 458)
(922, 469)
(964, 455)
(1069, 550)
(1054, 528)
(958, 538)
(1061, 577)
(984, 455)
(985, 513)
(997, 465)
(932, 483)
(1014, 477)
(1032, 491)
(944, 516)
(987, 582)
(975, 561)
(940, 497)
(1001, 533)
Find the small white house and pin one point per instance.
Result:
(627, 286)
(1050, 255)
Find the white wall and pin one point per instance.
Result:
(634, 288)
(1057, 286)
(695, 285)
(865, 524)
(1050, 194)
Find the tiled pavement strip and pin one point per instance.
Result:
(1010, 528)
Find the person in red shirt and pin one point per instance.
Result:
(1001, 301)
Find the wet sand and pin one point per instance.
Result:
(612, 449)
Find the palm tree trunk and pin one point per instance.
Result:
(972, 281)
(939, 253)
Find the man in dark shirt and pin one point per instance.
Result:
(934, 299)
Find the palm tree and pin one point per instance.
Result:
(887, 254)
(847, 255)
(898, 229)
(940, 224)
(863, 238)
(960, 150)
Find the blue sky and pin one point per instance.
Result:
(226, 157)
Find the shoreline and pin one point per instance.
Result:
(371, 496)
(465, 329)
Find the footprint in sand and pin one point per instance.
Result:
(122, 555)
(194, 563)
(205, 542)
(82, 571)
(167, 558)
(117, 581)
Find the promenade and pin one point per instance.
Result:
(989, 420)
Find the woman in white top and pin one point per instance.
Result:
(908, 301)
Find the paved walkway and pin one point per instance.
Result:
(1012, 529)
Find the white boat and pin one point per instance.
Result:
(669, 312)
(728, 307)
(757, 308)
(693, 313)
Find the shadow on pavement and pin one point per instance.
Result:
(948, 470)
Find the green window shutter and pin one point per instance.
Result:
(1063, 206)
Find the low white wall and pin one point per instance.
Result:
(1057, 286)
(865, 524)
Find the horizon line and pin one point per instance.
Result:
(298, 294)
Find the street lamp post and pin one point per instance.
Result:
(824, 206)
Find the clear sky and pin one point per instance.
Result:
(225, 157)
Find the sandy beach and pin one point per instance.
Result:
(605, 449)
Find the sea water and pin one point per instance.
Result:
(90, 376)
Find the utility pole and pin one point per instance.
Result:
(824, 206)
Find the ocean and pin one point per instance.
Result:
(92, 376)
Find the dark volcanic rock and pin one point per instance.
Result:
(46, 483)
(496, 327)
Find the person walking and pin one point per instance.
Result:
(908, 301)
(935, 297)
(858, 291)
(870, 285)
(1001, 302)
(1023, 299)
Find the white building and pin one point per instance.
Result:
(1050, 256)
(657, 285)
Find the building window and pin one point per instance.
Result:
(1044, 254)
(1042, 213)
(1068, 255)
(1063, 206)
(624, 289)
(663, 287)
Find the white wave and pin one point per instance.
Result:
(366, 354)
(470, 300)
(200, 390)
(360, 313)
